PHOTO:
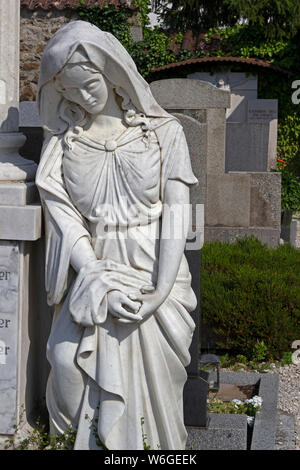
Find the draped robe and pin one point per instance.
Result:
(107, 378)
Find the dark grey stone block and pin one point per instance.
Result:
(239, 378)
(247, 146)
(224, 432)
(285, 431)
(263, 437)
(228, 432)
(265, 206)
(268, 236)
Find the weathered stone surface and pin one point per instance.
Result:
(224, 432)
(198, 114)
(9, 323)
(9, 65)
(183, 93)
(263, 437)
(17, 194)
(272, 148)
(29, 114)
(297, 232)
(228, 200)
(196, 136)
(12, 166)
(20, 223)
(24, 330)
(216, 130)
(265, 210)
(248, 148)
(268, 236)
(285, 431)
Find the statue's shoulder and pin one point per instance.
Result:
(166, 124)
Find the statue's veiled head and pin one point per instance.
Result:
(81, 64)
(82, 83)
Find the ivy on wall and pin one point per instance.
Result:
(158, 49)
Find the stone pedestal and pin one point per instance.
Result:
(9, 326)
(224, 432)
(22, 360)
(12, 166)
(16, 313)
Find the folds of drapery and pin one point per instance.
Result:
(120, 360)
(64, 223)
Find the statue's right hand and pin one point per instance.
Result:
(121, 307)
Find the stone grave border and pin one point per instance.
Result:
(230, 432)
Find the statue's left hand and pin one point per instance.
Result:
(150, 302)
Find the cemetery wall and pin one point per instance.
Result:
(37, 27)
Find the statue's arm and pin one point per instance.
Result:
(177, 197)
(82, 253)
(171, 248)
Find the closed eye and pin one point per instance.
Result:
(91, 85)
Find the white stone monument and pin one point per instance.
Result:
(12, 166)
(114, 181)
(20, 224)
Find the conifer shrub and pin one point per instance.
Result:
(250, 296)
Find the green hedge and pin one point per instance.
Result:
(251, 296)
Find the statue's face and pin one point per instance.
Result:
(84, 87)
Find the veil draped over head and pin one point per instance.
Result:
(107, 54)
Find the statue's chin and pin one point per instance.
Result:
(94, 109)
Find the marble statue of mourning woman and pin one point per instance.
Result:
(113, 164)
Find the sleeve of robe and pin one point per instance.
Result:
(64, 225)
(175, 157)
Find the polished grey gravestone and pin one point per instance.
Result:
(251, 123)
(230, 431)
(224, 432)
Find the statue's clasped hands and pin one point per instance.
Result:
(136, 306)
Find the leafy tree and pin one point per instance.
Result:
(274, 18)
(198, 15)
(278, 18)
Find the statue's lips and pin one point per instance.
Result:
(91, 102)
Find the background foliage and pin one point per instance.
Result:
(197, 15)
(251, 297)
(277, 18)
(269, 31)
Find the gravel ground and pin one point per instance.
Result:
(289, 394)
